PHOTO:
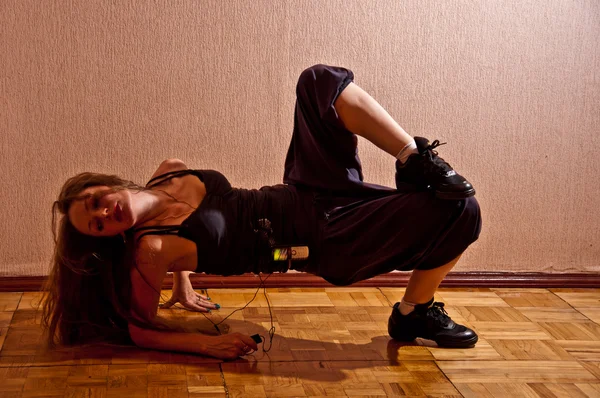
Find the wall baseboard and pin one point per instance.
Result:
(393, 279)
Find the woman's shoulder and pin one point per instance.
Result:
(149, 253)
(147, 275)
(169, 165)
(215, 179)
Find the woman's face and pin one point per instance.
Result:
(101, 212)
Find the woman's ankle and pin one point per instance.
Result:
(406, 307)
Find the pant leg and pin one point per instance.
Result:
(323, 153)
(402, 232)
(464, 230)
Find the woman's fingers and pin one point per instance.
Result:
(194, 304)
(231, 346)
(202, 296)
(247, 340)
(207, 304)
(242, 347)
(196, 307)
(203, 305)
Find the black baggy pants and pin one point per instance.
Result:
(365, 229)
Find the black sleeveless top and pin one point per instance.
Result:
(234, 229)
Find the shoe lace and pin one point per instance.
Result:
(437, 164)
(438, 314)
(434, 145)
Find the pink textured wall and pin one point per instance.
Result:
(117, 87)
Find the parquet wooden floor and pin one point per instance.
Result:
(329, 342)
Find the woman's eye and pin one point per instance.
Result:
(100, 226)
(95, 202)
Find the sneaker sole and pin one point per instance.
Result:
(406, 188)
(447, 344)
(455, 195)
(459, 343)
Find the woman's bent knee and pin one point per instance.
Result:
(472, 214)
(320, 79)
(310, 75)
(461, 234)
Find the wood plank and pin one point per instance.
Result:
(528, 299)
(13, 380)
(531, 350)
(558, 390)
(581, 350)
(319, 299)
(9, 301)
(491, 314)
(585, 331)
(545, 314)
(473, 299)
(592, 314)
(30, 301)
(590, 298)
(519, 371)
(510, 331)
(496, 390)
(5, 318)
(589, 389)
(593, 367)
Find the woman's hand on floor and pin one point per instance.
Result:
(184, 293)
(230, 346)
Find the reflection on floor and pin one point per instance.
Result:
(329, 342)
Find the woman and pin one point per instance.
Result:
(117, 241)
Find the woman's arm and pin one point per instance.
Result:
(144, 305)
(229, 346)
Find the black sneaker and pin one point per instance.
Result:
(426, 170)
(430, 321)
